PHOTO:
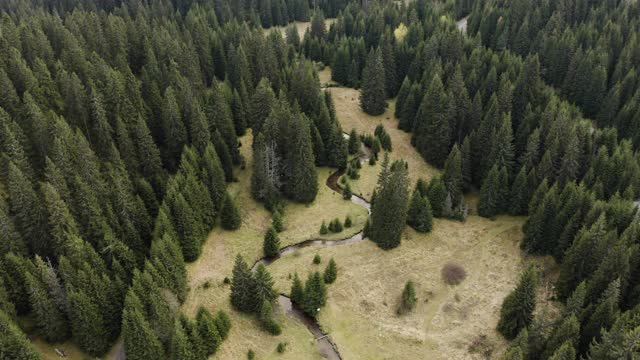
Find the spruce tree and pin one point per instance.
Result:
(303, 183)
(452, 175)
(490, 195)
(354, 142)
(568, 332)
(271, 245)
(373, 93)
(603, 316)
(276, 221)
(389, 212)
(180, 347)
(140, 342)
(50, 318)
(263, 290)
(315, 294)
(330, 272)
(223, 323)
(420, 216)
(229, 215)
(517, 308)
(297, 291)
(13, 342)
(436, 193)
(242, 286)
(565, 352)
(208, 331)
(431, 132)
(266, 319)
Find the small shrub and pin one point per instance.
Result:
(226, 280)
(317, 259)
(206, 285)
(323, 229)
(343, 180)
(276, 221)
(335, 226)
(409, 298)
(331, 272)
(453, 274)
(282, 347)
(347, 222)
(251, 355)
(346, 192)
(372, 160)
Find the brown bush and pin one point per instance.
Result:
(453, 274)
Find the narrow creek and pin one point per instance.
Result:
(327, 348)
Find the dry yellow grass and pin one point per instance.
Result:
(347, 103)
(361, 312)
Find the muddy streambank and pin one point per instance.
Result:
(326, 346)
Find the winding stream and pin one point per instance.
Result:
(326, 346)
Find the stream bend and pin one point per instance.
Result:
(328, 349)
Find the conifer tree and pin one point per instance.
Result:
(389, 212)
(50, 318)
(242, 286)
(223, 323)
(420, 216)
(266, 319)
(261, 104)
(263, 288)
(167, 259)
(303, 184)
(373, 93)
(180, 347)
(520, 193)
(490, 195)
(452, 175)
(208, 331)
(29, 215)
(565, 352)
(431, 132)
(88, 326)
(14, 343)
(517, 309)
(436, 193)
(140, 342)
(315, 294)
(271, 245)
(354, 142)
(603, 316)
(229, 215)
(346, 192)
(297, 291)
(323, 229)
(330, 272)
(409, 298)
(276, 221)
(568, 332)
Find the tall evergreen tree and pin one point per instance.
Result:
(389, 212)
(373, 93)
(14, 343)
(140, 342)
(452, 175)
(420, 216)
(431, 132)
(242, 286)
(315, 294)
(229, 215)
(517, 309)
(271, 245)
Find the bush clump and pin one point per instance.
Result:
(453, 274)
